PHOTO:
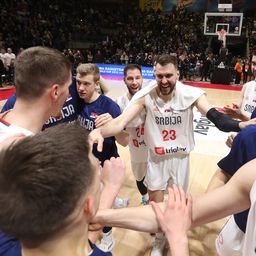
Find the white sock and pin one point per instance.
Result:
(108, 234)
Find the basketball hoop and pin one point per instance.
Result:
(222, 36)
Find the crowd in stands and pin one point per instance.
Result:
(129, 36)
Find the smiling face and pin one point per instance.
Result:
(133, 80)
(166, 77)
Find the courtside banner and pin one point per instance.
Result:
(116, 72)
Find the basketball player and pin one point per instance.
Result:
(243, 110)
(137, 146)
(40, 93)
(235, 196)
(72, 106)
(38, 88)
(168, 129)
(47, 201)
(98, 110)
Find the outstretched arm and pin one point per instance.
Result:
(234, 111)
(231, 198)
(221, 121)
(122, 137)
(116, 125)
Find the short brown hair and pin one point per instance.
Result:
(42, 180)
(89, 69)
(131, 67)
(37, 68)
(166, 59)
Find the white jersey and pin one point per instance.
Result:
(9, 57)
(249, 99)
(137, 145)
(8, 130)
(169, 125)
(250, 235)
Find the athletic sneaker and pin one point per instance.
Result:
(120, 203)
(107, 242)
(158, 246)
(144, 202)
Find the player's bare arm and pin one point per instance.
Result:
(122, 138)
(116, 125)
(235, 109)
(221, 121)
(231, 198)
(219, 179)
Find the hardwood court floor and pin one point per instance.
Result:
(203, 165)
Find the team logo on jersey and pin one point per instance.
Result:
(135, 143)
(159, 150)
(93, 115)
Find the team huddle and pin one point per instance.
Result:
(60, 171)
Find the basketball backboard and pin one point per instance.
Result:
(230, 22)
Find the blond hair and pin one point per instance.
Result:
(85, 69)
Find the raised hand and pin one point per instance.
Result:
(175, 220)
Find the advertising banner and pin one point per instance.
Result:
(116, 72)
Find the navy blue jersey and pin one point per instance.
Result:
(96, 251)
(243, 150)
(12, 247)
(71, 108)
(9, 246)
(9, 103)
(253, 113)
(87, 119)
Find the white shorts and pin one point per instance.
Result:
(230, 240)
(165, 170)
(139, 170)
